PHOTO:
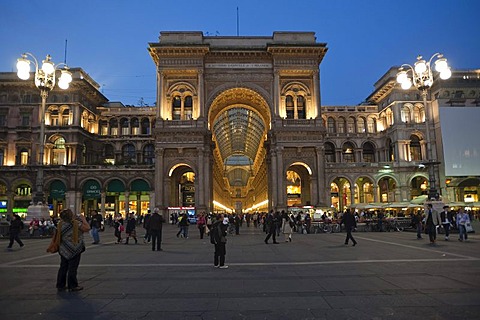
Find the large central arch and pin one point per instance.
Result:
(239, 119)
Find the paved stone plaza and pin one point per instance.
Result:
(388, 275)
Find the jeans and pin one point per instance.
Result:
(419, 231)
(95, 235)
(67, 274)
(462, 232)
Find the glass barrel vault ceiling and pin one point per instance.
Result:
(239, 133)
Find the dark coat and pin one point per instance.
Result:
(16, 226)
(348, 220)
(130, 225)
(155, 222)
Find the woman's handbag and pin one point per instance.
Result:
(55, 242)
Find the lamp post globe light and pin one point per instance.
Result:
(422, 76)
(45, 79)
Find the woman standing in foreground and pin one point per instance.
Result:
(71, 247)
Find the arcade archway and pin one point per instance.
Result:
(239, 119)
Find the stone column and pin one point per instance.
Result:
(200, 110)
(159, 179)
(103, 197)
(321, 193)
(276, 92)
(201, 174)
(280, 177)
(127, 206)
(160, 94)
(316, 94)
(273, 194)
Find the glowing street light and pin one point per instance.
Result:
(421, 75)
(45, 79)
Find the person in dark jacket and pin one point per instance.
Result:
(130, 229)
(148, 236)
(16, 227)
(219, 236)
(154, 229)
(271, 222)
(447, 220)
(349, 222)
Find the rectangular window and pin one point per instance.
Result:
(25, 120)
(3, 120)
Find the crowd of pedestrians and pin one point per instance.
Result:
(71, 228)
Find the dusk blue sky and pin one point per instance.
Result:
(109, 38)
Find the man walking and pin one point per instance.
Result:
(96, 224)
(349, 222)
(147, 236)
(447, 218)
(154, 229)
(432, 221)
(271, 227)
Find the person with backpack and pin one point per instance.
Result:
(218, 237)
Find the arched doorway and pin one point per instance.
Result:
(239, 119)
(387, 187)
(340, 193)
(298, 185)
(364, 190)
(418, 186)
(182, 186)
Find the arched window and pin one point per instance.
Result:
(103, 127)
(177, 108)
(124, 125)
(113, 127)
(188, 108)
(135, 123)
(145, 126)
(389, 118)
(418, 115)
(149, 154)
(329, 152)
(371, 125)
(361, 125)
(58, 152)
(368, 152)
(351, 125)
(415, 148)
(128, 153)
(341, 125)
(290, 108)
(331, 125)
(348, 152)
(405, 114)
(301, 114)
(65, 117)
(54, 119)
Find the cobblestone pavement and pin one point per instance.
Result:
(388, 275)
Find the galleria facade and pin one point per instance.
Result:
(238, 125)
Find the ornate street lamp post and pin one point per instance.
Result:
(421, 75)
(45, 77)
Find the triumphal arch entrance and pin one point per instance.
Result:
(238, 124)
